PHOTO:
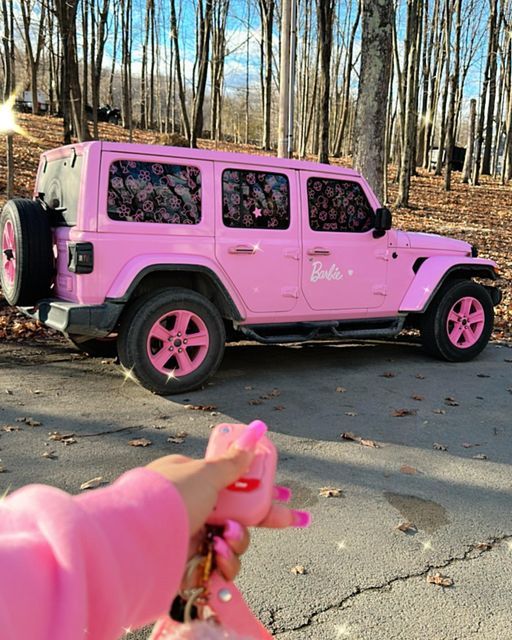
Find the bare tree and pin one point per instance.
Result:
(372, 101)
(8, 42)
(29, 11)
(267, 25)
(325, 14)
(468, 161)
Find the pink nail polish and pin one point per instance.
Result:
(283, 494)
(250, 437)
(233, 531)
(221, 548)
(301, 519)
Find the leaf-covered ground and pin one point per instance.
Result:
(479, 215)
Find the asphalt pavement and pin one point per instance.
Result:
(429, 444)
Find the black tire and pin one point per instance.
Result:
(95, 347)
(134, 335)
(33, 252)
(435, 325)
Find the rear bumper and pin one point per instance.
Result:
(71, 318)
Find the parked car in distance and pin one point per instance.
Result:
(164, 253)
(23, 103)
(106, 113)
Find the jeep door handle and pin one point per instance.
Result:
(319, 251)
(246, 249)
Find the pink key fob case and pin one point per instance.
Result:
(248, 500)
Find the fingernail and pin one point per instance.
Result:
(221, 548)
(233, 531)
(250, 437)
(301, 519)
(283, 494)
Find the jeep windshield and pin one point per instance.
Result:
(59, 181)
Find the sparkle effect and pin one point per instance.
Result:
(342, 631)
(341, 545)
(509, 545)
(427, 545)
(8, 124)
(257, 247)
(128, 375)
(171, 376)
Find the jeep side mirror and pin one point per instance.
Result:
(383, 222)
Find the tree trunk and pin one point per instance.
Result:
(325, 15)
(8, 89)
(267, 26)
(410, 117)
(492, 66)
(454, 80)
(468, 160)
(376, 58)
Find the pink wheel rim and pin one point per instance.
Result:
(177, 343)
(9, 253)
(466, 322)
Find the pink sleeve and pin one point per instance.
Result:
(91, 566)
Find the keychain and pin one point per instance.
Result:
(207, 606)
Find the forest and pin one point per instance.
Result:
(436, 73)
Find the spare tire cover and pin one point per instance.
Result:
(27, 261)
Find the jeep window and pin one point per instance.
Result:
(255, 200)
(154, 192)
(338, 205)
(59, 180)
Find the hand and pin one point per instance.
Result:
(199, 483)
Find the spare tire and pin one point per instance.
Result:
(27, 261)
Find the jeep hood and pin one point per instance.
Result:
(432, 242)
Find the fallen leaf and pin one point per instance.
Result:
(200, 407)
(410, 471)
(439, 447)
(440, 412)
(418, 398)
(348, 435)
(442, 581)
(508, 359)
(401, 413)
(298, 570)
(388, 374)
(10, 427)
(279, 407)
(451, 402)
(37, 392)
(275, 393)
(248, 387)
(50, 454)
(483, 546)
(65, 438)
(352, 414)
(420, 376)
(482, 375)
(330, 492)
(179, 438)
(479, 456)
(254, 402)
(92, 484)
(3, 469)
(369, 443)
(340, 390)
(8, 392)
(468, 445)
(407, 527)
(139, 442)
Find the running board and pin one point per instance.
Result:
(304, 331)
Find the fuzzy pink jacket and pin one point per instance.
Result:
(90, 567)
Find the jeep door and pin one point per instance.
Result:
(257, 234)
(343, 266)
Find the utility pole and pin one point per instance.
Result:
(287, 78)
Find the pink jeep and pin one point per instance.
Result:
(162, 253)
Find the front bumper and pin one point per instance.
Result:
(71, 318)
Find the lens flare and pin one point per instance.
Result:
(8, 124)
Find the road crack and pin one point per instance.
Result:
(472, 552)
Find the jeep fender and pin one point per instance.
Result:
(138, 268)
(435, 271)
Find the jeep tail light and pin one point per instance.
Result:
(80, 257)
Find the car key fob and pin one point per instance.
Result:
(248, 500)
